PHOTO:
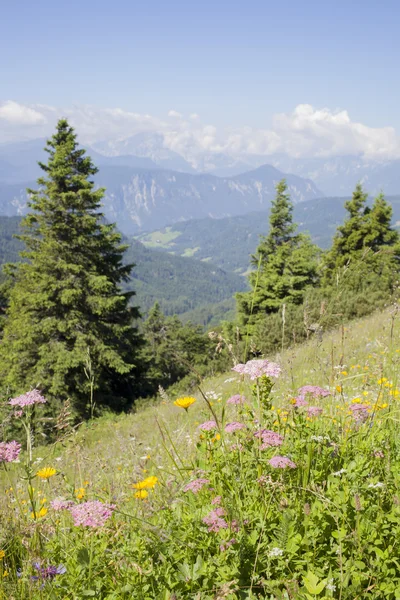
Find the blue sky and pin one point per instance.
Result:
(234, 63)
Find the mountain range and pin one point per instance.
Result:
(141, 195)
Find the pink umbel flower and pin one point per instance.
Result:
(215, 521)
(9, 451)
(281, 462)
(61, 504)
(359, 412)
(196, 485)
(216, 501)
(299, 402)
(314, 411)
(237, 399)
(314, 390)
(269, 438)
(207, 426)
(257, 368)
(235, 426)
(28, 399)
(92, 513)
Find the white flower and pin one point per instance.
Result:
(338, 473)
(230, 379)
(275, 552)
(379, 484)
(330, 586)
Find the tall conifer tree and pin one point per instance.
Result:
(68, 321)
(285, 264)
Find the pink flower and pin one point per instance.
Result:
(91, 514)
(28, 399)
(207, 426)
(235, 426)
(215, 520)
(360, 412)
(237, 399)
(196, 485)
(269, 438)
(281, 462)
(314, 390)
(61, 504)
(299, 402)
(216, 501)
(226, 545)
(258, 368)
(379, 454)
(314, 411)
(9, 451)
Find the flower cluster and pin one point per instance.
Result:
(234, 426)
(28, 399)
(314, 411)
(237, 399)
(359, 412)
(92, 513)
(196, 485)
(269, 438)
(258, 368)
(61, 504)
(208, 426)
(215, 521)
(9, 451)
(314, 390)
(281, 462)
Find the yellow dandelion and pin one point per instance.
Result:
(141, 494)
(39, 513)
(147, 483)
(46, 473)
(2, 554)
(185, 402)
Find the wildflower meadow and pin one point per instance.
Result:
(278, 480)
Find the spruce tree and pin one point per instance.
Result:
(285, 264)
(68, 324)
(364, 247)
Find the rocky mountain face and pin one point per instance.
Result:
(141, 196)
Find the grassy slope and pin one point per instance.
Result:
(364, 348)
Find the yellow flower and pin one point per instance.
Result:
(141, 494)
(2, 554)
(339, 389)
(80, 493)
(46, 473)
(147, 483)
(185, 402)
(5, 574)
(39, 513)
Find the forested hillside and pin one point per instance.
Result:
(230, 241)
(178, 284)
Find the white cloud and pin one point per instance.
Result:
(305, 132)
(18, 114)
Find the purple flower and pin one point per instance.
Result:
(258, 368)
(299, 402)
(314, 390)
(196, 485)
(237, 399)
(226, 545)
(269, 438)
(360, 412)
(9, 451)
(48, 572)
(207, 426)
(234, 426)
(314, 411)
(281, 462)
(28, 399)
(215, 520)
(216, 501)
(91, 514)
(61, 504)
